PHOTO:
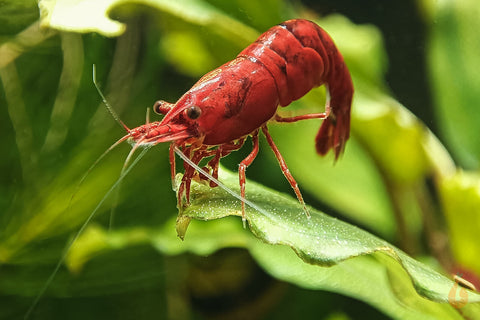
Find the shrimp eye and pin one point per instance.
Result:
(194, 112)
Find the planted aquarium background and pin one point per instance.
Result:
(393, 220)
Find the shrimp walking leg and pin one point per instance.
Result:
(285, 170)
(243, 166)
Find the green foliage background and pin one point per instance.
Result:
(415, 189)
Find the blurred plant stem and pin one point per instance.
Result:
(69, 83)
(20, 122)
(434, 228)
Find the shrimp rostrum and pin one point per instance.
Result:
(239, 98)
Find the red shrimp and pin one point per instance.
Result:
(236, 100)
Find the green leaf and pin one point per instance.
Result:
(453, 57)
(320, 240)
(376, 279)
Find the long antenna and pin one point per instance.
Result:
(109, 107)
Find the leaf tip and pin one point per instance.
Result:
(182, 225)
